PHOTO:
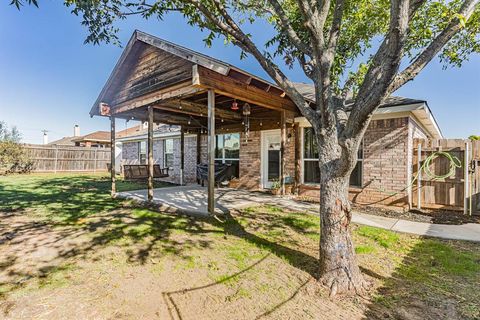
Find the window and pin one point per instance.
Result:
(357, 173)
(142, 152)
(311, 170)
(168, 153)
(227, 150)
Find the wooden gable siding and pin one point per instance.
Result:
(147, 70)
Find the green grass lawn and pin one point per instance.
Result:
(63, 197)
(260, 262)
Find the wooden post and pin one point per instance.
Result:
(112, 154)
(150, 153)
(182, 155)
(95, 161)
(56, 160)
(466, 187)
(211, 151)
(283, 138)
(419, 176)
(298, 156)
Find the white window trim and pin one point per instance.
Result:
(302, 169)
(139, 153)
(165, 152)
(223, 159)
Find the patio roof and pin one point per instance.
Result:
(174, 80)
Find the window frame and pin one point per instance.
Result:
(223, 159)
(165, 153)
(139, 155)
(303, 160)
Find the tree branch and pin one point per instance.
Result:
(381, 72)
(409, 73)
(288, 29)
(231, 28)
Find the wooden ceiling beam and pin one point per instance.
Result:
(196, 109)
(207, 79)
(181, 90)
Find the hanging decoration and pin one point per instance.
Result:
(234, 105)
(246, 114)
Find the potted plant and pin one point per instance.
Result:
(275, 189)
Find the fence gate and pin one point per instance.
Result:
(475, 174)
(452, 193)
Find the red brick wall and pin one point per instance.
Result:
(385, 165)
(250, 159)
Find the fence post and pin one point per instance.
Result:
(419, 176)
(465, 179)
(95, 161)
(56, 160)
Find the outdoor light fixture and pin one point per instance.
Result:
(234, 105)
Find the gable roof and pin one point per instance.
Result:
(192, 56)
(101, 136)
(65, 141)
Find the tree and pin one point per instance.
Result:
(330, 41)
(12, 154)
(474, 137)
(11, 135)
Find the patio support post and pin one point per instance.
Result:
(283, 138)
(112, 154)
(211, 151)
(298, 156)
(150, 153)
(182, 154)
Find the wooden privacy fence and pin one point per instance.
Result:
(68, 158)
(460, 191)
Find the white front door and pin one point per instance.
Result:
(270, 157)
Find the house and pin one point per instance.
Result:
(191, 97)
(95, 139)
(98, 139)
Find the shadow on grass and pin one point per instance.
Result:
(63, 198)
(436, 280)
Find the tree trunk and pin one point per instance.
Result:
(338, 265)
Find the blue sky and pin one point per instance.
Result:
(49, 79)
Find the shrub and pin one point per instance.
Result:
(13, 158)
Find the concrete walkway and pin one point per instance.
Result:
(192, 200)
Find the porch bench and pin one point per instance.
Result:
(140, 171)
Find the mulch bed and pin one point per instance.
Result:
(427, 216)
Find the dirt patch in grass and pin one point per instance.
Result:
(115, 261)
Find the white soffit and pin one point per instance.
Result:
(420, 111)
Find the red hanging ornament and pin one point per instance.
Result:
(234, 105)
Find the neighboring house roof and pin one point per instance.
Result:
(65, 141)
(97, 136)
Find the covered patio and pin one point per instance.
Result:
(158, 82)
(193, 200)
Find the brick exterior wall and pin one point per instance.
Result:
(386, 165)
(130, 156)
(250, 159)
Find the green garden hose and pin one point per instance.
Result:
(454, 164)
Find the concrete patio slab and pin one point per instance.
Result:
(192, 200)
